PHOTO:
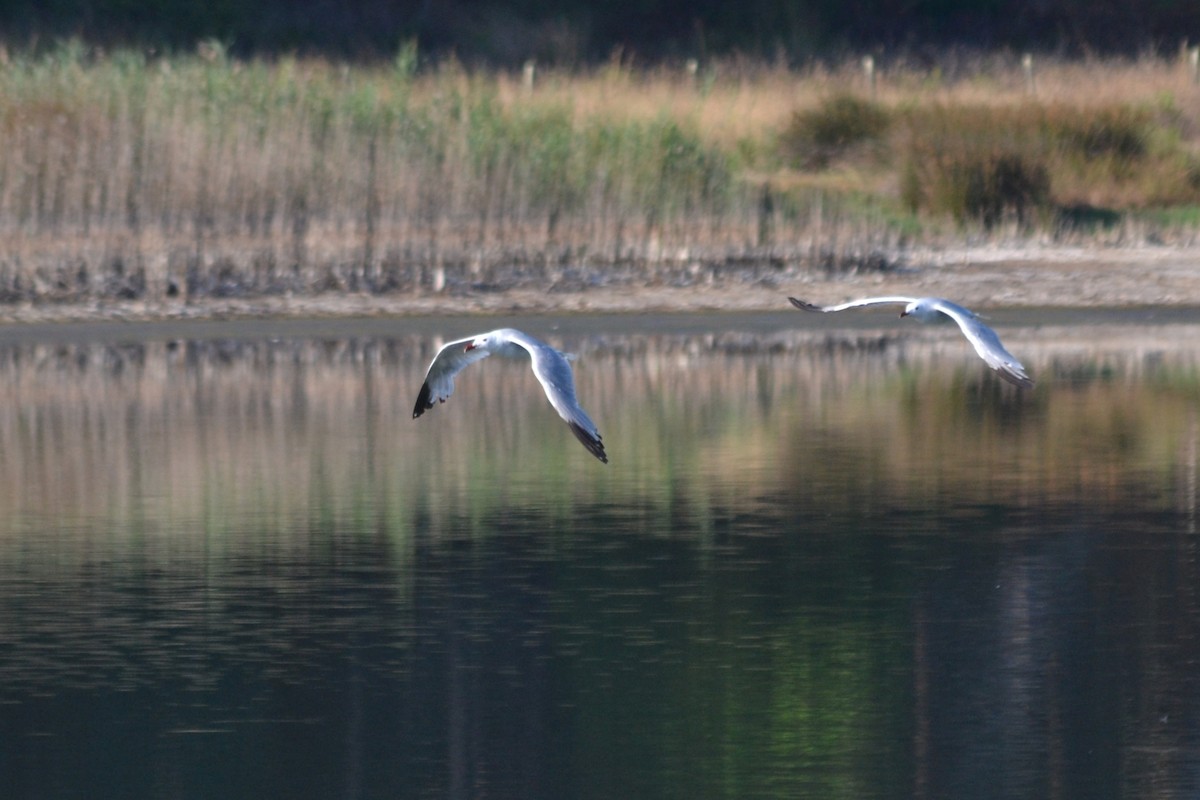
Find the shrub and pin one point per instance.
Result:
(1121, 133)
(995, 186)
(978, 163)
(816, 137)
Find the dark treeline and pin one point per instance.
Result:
(577, 32)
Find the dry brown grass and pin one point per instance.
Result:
(198, 176)
(732, 102)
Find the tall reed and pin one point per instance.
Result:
(192, 177)
(196, 175)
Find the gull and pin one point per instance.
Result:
(937, 309)
(551, 367)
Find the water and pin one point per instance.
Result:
(824, 562)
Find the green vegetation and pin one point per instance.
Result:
(979, 164)
(200, 175)
(841, 124)
(992, 163)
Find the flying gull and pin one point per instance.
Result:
(936, 309)
(549, 365)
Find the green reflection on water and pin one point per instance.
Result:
(752, 674)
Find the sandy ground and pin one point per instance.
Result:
(983, 277)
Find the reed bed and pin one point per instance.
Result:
(198, 176)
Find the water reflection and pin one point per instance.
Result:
(837, 564)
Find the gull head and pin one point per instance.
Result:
(922, 309)
(478, 341)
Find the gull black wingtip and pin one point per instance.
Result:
(1022, 380)
(423, 401)
(803, 306)
(592, 443)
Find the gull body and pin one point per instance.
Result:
(937, 309)
(552, 368)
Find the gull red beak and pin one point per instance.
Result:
(904, 313)
(470, 346)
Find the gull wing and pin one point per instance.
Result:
(452, 359)
(860, 303)
(553, 371)
(987, 344)
(550, 367)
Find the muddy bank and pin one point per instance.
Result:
(985, 277)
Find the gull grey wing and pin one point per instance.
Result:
(860, 303)
(553, 371)
(439, 378)
(987, 344)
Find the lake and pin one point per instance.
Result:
(830, 558)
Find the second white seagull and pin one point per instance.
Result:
(550, 366)
(936, 309)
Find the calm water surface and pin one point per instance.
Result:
(824, 562)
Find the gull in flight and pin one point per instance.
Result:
(936, 309)
(549, 365)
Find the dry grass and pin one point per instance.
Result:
(197, 176)
(734, 101)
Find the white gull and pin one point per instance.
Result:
(936, 309)
(551, 367)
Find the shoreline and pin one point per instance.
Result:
(993, 276)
